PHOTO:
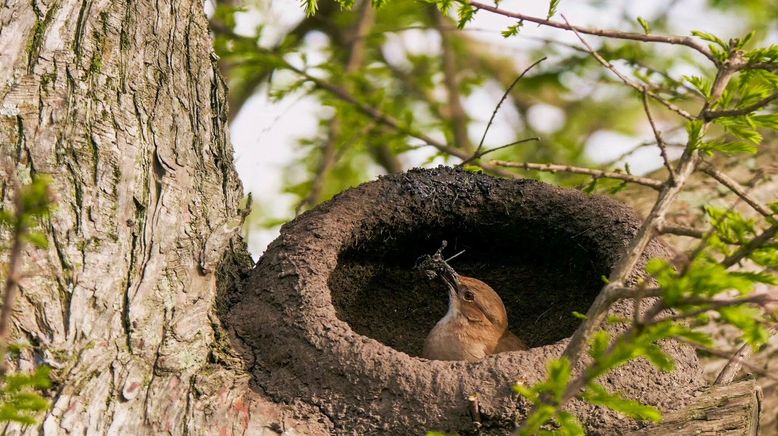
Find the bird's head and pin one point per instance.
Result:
(474, 301)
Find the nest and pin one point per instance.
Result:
(335, 315)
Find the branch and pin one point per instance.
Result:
(554, 168)
(617, 34)
(623, 269)
(507, 92)
(388, 120)
(14, 264)
(629, 82)
(752, 245)
(712, 115)
(734, 364)
(680, 231)
(658, 136)
(735, 187)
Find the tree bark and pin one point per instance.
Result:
(121, 103)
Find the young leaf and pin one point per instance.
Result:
(644, 24)
(552, 7)
(596, 394)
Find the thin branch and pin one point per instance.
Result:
(502, 147)
(712, 115)
(597, 174)
(616, 34)
(388, 120)
(680, 231)
(733, 356)
(735, 187)
(507, 92)
(752, 245)
(629, 82)
(13, 274)
(735, 362)
(615, 294)
(623, 269)
(733, 366)
(659, 141)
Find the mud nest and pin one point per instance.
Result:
(335, 316)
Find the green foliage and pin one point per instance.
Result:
(597, 394)
(644, 24)
(545, 396)
(513, 29)
(552, 8)
(19, 399)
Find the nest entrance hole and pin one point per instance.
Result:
(542, 275)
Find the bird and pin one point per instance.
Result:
(476, 324)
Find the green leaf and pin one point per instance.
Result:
(310, 6)
(711, 38)
(543, 413)
(728, 147)
(701, 84)
(37, 239)
(569, 424)
(466, 13)
(513, 29)
(580, 315)
(741, 127)
(552, 8)
(644, 24)
(694, 129)
(596, 394)
(659, 358)
(600, 342)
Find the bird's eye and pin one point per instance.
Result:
(468, 296)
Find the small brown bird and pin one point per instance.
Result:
(476, 324)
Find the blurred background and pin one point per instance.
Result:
(296, 84)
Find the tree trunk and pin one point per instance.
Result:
(121, 103)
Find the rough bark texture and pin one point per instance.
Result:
(722, 410)
(121, 104)
(338, 286)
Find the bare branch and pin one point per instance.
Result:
(502, 147)
(617, 34)
(680, 231)
(658, 136)
(629, 82)
(734, 363)
(733, 356)
(735, 187)
(597, 174)
(497, 108)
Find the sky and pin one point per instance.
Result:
(265, 133)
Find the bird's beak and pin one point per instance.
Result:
(450, 278)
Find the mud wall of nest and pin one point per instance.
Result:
(334, 314)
